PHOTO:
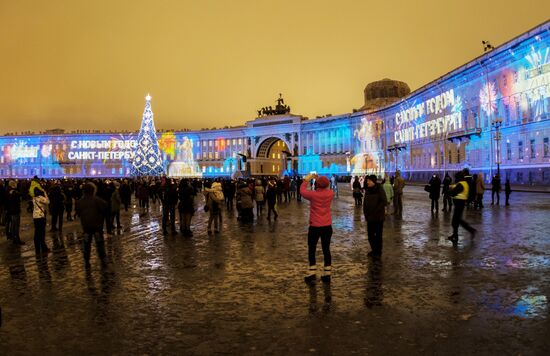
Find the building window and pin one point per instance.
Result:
(519, 177)
(508, 151)
(210, 143)
(216, 155)
(532, 148)
(450, 157)
(520, 149)
(458, 155)
(240, 141)
(545, 149)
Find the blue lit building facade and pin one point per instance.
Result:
(448, 124)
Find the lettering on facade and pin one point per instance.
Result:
(408, 129)
(104, 150)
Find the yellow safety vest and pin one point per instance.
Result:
(463, 195)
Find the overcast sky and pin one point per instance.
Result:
(79, 64)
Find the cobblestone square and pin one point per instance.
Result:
(242, 291)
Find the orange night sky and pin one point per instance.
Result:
(77, 64)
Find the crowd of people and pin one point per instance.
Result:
(98, 204)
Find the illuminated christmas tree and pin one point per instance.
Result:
(147, 157)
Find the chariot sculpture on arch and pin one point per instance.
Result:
(280, 108)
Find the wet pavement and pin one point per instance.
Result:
(242, 291)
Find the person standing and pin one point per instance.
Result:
(214, 200)
(186, 207)
(271, 197)
(13, 213)
(169, 200)
(460, 192)
(69, 195)
(116, 202)
(334, 184)
(320, 224)
(244, 196)
(293, 188)
(374, 205)
(435, 188)
(480, 189)
(398, 185)
(92, 211)
(388, 190)
(3, 215)
(259, 197)
(286, 188)
(495, 189)
(298, 185)
(125, 194)
(57, 206)
(229, 194)
(447, 200)
(40, 204)
(357, 188)
(507, 191)
(143, 196)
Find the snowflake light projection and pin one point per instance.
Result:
(457, 107)
(536, 88)
(487, 98)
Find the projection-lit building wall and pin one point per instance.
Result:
(448, 124)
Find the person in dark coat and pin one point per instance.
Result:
(447, 199)
(357, 195)
(271, 198)
(186, 206)
(507, 191)
(57, 206)
(92, 211)
(229, 194)
(374, 204)
(13, 213)
(143, 196)
(298, 185)
(125, 194)
(116, 202)
(435, 188)
(495, 189)
(69, 196)
(104, 192)
(244, 196)
(169, 200)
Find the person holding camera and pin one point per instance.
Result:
(320, 224)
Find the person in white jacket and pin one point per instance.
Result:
(40, 203)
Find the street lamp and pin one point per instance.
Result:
(497, 123)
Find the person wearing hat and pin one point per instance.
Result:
(320, 224)
(374, 207)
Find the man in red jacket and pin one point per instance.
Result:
(320, 224)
